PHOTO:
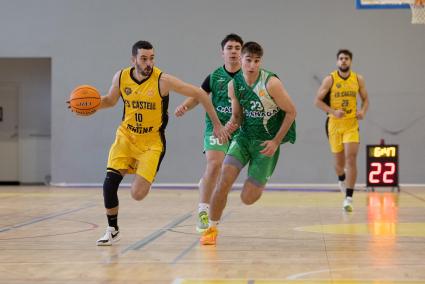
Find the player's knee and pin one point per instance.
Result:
(214, 166)
(139, 193)
(245, 198)
(351, 160)
(110, 189)
(250, 198)
(251, 191)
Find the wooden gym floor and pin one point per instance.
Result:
(47, 235)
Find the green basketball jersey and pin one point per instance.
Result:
(261, 118)
(219, 80)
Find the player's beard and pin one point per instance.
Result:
(144, 72)
(342, 69)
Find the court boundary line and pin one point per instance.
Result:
(44, 218)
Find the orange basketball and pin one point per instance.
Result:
(84, 100)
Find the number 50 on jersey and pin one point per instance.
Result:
(381, 165)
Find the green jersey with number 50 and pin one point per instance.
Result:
(262, 117)
(219, 80)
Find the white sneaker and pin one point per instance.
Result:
(111, 236)
(348, 204)
(342, 186)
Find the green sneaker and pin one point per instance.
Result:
(202, 223)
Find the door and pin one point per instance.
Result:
(9, 165)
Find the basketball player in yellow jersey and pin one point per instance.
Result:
(140, 141)
(337, 96)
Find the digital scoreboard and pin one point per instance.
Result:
(382, 165)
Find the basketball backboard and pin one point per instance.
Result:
(382, 4)
(417, 7)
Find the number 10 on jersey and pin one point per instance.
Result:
(382, 165)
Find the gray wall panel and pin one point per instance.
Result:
(89, 41)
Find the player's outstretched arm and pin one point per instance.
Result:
(170, 83)
(114, 93)
(186, 106)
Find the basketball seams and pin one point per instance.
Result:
(93, 107)
(76, 106)
(85, 100)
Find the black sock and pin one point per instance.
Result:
(349, 192)
(113, 221)
(341, 177)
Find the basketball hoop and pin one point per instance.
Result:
(418, 11)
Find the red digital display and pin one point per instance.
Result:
(382, 165)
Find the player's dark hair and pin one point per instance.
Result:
(253, 48)
(231, 37)
(141, 44)
(345, 52)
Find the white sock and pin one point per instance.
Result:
(213, 223)
(203, 207)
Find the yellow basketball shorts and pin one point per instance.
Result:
(141, 155)
(342, 131)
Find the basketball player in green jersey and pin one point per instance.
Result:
(139, 146)
(337, 96)
(216, 85)
(266, 116)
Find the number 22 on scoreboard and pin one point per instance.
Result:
(387, 171)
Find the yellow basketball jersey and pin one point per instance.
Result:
(343, 93)
(145, 111)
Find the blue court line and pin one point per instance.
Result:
(185, 252)
(43, 218)
(360, 5)
(138, 245)
(191, 246)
